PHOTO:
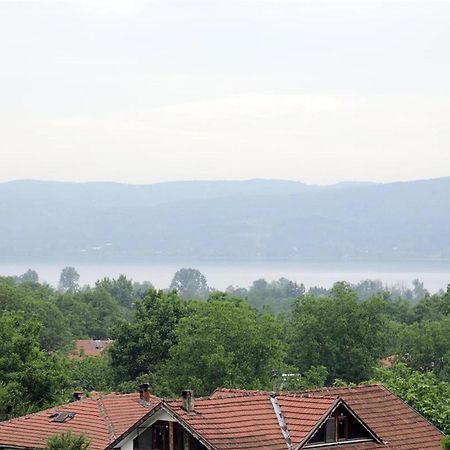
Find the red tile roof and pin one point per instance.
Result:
(400, 426)
(392, 419)
(303, 413)
(89, 347)
(237, 423)
(102, 418)
(235, 419)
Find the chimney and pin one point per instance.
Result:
(187, 398)
(143, 392)
(77, 395)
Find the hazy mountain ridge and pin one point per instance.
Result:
(226, 219)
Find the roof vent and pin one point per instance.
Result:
(62, 416)
(188, 401)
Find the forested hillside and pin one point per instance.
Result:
(237, 219)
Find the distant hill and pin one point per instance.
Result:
(226, 219)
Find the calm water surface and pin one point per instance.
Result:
(435, 275)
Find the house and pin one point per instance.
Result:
(355, 418)
(89, 347)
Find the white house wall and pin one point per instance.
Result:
(127, 443)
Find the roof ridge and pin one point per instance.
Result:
(108, 423)
(309, 395)
(278, 411)
(230, 393)
(217, 393)
(337, 388)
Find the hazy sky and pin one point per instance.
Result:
(147, 91)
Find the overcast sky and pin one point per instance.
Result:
(148, 91)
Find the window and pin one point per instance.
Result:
(340, 426)
(330, 430)
(161, 436)
(158, 436)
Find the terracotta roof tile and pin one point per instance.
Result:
(390, 418)
(245, 422)
(102, 418)
(303, 413)
(235, 420)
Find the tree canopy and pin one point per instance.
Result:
(67, 441)
(190, 283)
(338, 332)
(224, 343)
(193, 337)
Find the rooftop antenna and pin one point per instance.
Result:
(285, 377)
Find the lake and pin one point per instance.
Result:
(220, 274)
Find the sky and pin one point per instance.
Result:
(319, 91)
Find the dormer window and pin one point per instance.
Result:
(340, 426)
(159, 437)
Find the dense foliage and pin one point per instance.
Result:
(29, 377)
(223, 342)
(194, 337)
(67, 441)
(338, 332)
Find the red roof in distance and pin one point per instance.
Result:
(89, 347)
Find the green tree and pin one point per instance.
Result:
(67, 441)
(446, 443)
(13, 299)
(37, 300)
(142, 344)
(55, 332)
(121, 289)
(68, 280)
(314, 377)
(423, 391)
(30, 276)
(445, 308)
(29, 377)
(140, 290)
(425, 346)
(338, 332)
(105, 309)
(431, 307)
(91, 374)
(190, 283)
(276, 295)
(224, 343)
(80, 316)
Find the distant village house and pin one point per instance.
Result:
(89, 347)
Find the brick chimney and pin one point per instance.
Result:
(144, 394)
(77, 395)
(187, 398)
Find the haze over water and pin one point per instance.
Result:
(220, 274)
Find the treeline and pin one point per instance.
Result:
(190, 336)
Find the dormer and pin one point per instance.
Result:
(340, 426)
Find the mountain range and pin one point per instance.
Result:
(253, 219)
